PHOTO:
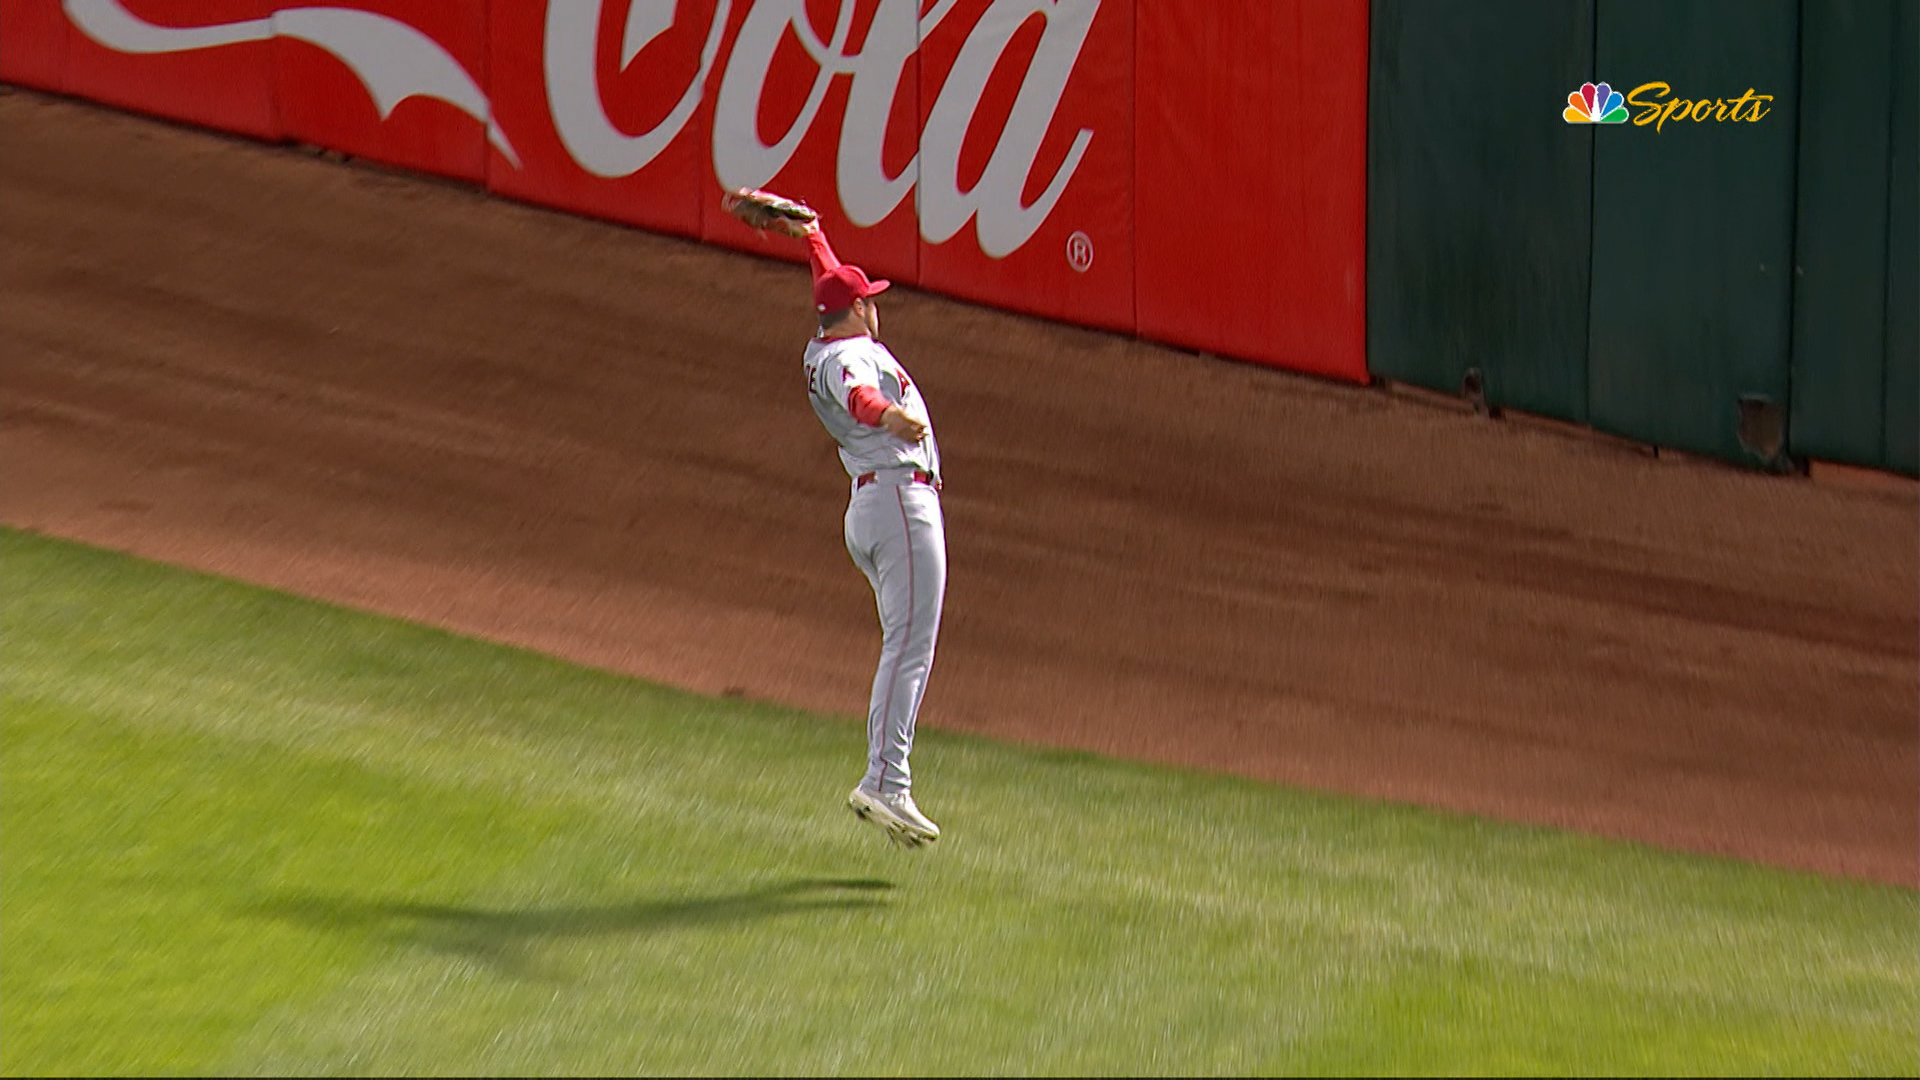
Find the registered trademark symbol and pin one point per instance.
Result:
(1080, 252)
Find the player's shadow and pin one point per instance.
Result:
(504, 937)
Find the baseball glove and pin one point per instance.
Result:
(767, 212)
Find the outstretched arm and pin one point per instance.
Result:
(819, 252)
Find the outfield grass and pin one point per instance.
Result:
(245, 832)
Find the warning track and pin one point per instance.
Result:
(412, 398)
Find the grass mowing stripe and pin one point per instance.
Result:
(610, 877)
(146, 870)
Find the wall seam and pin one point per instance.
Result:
(1593, 187)
(1793, 225)
(1886, 245)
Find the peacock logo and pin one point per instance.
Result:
(1595, 105)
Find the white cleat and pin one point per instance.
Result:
(895, 815)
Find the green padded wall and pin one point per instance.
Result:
(1478, 198)
(1903, 249)
(1840, 258)
(1693, 224)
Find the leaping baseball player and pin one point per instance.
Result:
(894, 529)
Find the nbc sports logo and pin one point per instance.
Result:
(1595, 105)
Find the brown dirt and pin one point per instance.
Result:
(408, 397)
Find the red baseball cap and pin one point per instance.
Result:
(839, 287)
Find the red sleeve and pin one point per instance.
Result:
(866, 403)
(820, 253)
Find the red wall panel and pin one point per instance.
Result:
(989, 234)
(33, 43)
(1251, 189)
(764, 135)
(333, 68)
(203, 61)
(1195, 173)
(597, 129)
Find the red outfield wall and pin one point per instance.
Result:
(1092, 161)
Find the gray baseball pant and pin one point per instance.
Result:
(897, 537)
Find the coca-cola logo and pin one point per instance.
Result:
(395, 61)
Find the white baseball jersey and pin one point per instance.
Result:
(834, 367)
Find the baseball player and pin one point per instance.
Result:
(894, 529)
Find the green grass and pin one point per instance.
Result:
(241, 831)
